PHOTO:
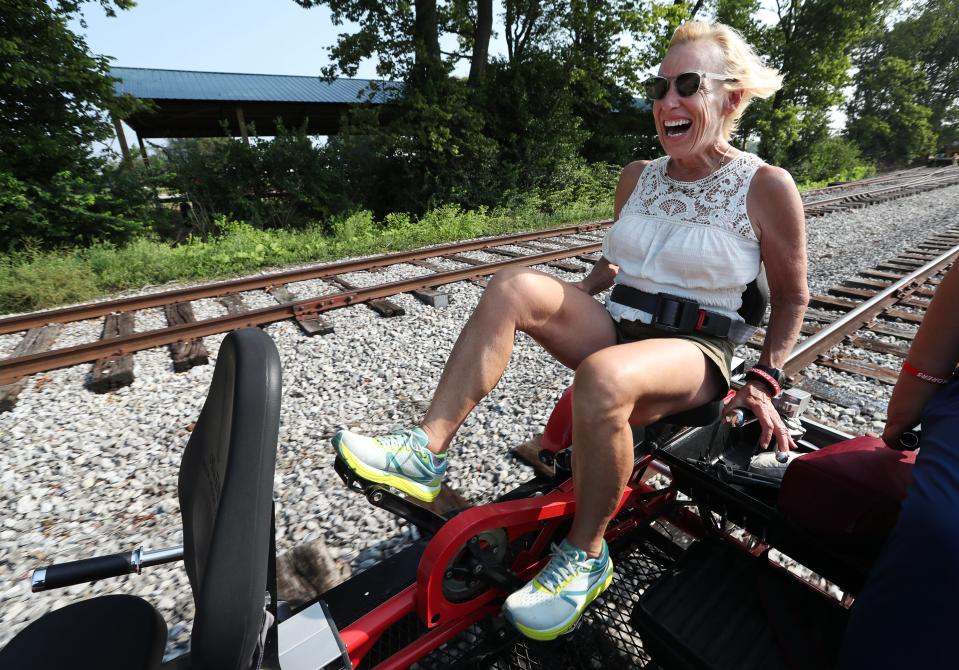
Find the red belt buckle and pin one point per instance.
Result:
(702, 319)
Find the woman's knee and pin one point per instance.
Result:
(522, 290)
(603, 392)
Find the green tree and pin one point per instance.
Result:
(913, 66)
(885, 118)
(811, 45)
(52, 95)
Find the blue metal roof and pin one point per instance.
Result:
(153, 84)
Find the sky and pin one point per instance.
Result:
(257, 36)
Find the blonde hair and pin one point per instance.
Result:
(755, 79)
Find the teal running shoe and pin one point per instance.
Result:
(553, 601)
(402, 461)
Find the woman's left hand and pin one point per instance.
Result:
(753, 398)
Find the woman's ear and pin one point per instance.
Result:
(732, 101)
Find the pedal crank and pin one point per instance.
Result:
(384, 497)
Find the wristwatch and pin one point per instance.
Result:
(772, 378)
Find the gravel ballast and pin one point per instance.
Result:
(86, 474)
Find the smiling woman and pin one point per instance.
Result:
(692, 229)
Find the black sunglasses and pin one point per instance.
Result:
(687, 84)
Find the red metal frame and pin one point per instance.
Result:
(541, 515)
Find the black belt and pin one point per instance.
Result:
(674, 314)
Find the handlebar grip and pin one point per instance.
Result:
(739, 417)
(909, 440)
(82, 571)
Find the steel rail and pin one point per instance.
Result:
(809, 350)
(217, 289)
(92, 310)
(15, 368)
(925, 180)
(889, 177)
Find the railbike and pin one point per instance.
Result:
(691, 543)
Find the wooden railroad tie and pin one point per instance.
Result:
(440, 299)
(466, 260)
(858, 367)
(900, 264)
(883, 329)
(528, 452)
(840, 303)
(234, 303)
(565, 266)
(879, 346)
(311, 325)
(190, 353)
(113, 372)
(383, 307)
(429, 296)
(35, 341)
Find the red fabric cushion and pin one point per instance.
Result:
(851, 488)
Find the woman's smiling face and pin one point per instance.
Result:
(688, 127)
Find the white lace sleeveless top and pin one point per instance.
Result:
(690, 239)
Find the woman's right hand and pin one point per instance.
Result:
(905, 407)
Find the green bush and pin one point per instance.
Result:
(831, 159)
(36, 279)
(32, 279)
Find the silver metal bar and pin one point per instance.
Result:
(151, 557)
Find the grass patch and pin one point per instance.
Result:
(850, 174)
(34, 279)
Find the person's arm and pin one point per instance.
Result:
(601, 276)
(934, 351)
(776, 209)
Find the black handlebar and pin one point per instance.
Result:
(59, 575)
(85, 570)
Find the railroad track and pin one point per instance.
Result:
(571, 249)
(865, 184)
(876, 312)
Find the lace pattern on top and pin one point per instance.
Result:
(717, 200)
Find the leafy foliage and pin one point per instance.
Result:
(907, 85)
(52, 188)
(286, 182)
(34, 278)
(811, 45)
(888, 122)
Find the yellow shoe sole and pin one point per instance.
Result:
(410, 488)
(566, 626)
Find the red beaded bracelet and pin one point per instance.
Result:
(767, 378)
(924, 376)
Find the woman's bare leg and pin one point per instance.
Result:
(569, 324)
(639, 382)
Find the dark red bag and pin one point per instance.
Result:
(852, 488)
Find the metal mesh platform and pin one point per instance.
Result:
(604, 638)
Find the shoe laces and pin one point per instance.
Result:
(561, 567)
(402, 441)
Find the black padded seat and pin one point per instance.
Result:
(226, 502)
(697, 416)
(119, 631)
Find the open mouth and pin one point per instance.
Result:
(677, 128)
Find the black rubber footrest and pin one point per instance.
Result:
(720, 608)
